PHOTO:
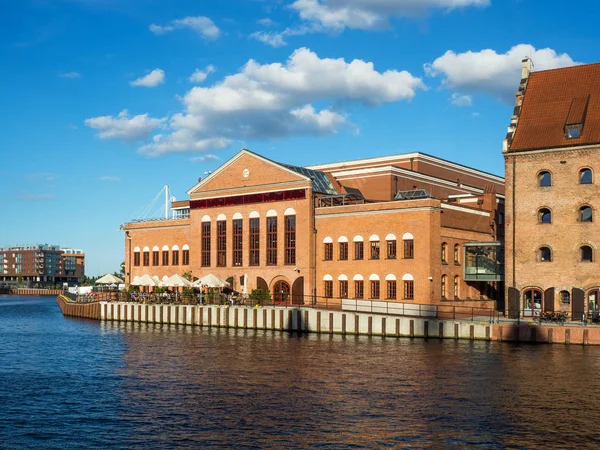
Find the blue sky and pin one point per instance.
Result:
(106, 101)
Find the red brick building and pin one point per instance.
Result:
(552, 153)
(40, 264)
(391, 228)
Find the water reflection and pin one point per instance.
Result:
(82, 384)
(255, 388)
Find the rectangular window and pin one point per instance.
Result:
(146, 258)
(328, 251)
(155, 258)
(328, 289)
(186, 257)
(136, 258)
(175, 257)
(359, 250)
(344, 289)
(165, 261)
(271, 241)
(375, 250)
(290, 240)
(343, 251)
(359, 289)
(391, 289)
(391, 249)
(255, 242)
(237, 242)
(205, 244)
(409, 251)
(375, 289)
(409, 291)
(221, 243)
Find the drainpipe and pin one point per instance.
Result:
(314, 250)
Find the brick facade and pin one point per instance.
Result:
(543, 169)
(252, 187)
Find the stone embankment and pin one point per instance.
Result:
(310, 320)
(28, 291)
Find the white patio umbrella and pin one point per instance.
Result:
(109, 279)
(144, 280)
(212, 281)
(175, 281)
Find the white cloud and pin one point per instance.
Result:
(371, 14)
(270, 101)
(461, 100)
(204, 158)
(154, 78)
(489, 72)
(200, 75)
(123, 126)
(205, 27)
(71, 75)
(266, 22)
(273, 39)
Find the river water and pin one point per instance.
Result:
(74, 383)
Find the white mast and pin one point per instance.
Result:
(166, 201)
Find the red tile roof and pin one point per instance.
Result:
(557, 97)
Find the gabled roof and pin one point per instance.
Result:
(556, 98)
(320, 181)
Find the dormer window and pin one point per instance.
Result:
(573, 131)
(576, 117)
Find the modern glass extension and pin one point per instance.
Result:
(483, 261)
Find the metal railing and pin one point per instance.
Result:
(392, 308)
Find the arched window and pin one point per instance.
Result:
(456, 254)
(544, 178)
(359, 247)
(585, 176)
(328, 249)
(544, 216)
(359, 286)
(343, 248)
(146, 256)
(391, 246)
(586, 254)
(444, 251)
(409, 245)
(444, 278)
(585, 214)
(565, 297)
(409, 286)
(544, 254)
(328, 286)
(343, 284)
(456, 286)
(165, 255)
(374, 241)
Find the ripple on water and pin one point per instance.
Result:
(71, 383)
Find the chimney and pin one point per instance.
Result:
(526, 67)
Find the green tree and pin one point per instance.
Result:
(187, 275)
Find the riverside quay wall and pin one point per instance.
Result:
(310, 320)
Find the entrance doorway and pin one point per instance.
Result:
(281, 292)
(532, 303)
